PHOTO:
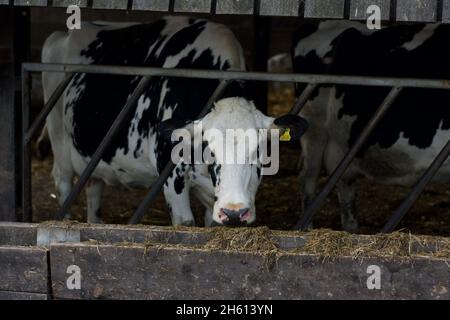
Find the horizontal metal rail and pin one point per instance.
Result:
(241, 75)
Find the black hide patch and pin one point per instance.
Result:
(417, 113)
(214, 172)
(179, 180)
(104, 96)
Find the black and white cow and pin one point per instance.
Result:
(411, 134)
(92, 102)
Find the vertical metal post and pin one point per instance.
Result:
(22, 39)
(42, 116)
(96, 158)
(417, 190)
(345, 163)
(28, 135)
(26, 152)
(301, 101)
(164, 175)
(9, 180)
(260, 58)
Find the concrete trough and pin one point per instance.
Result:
(139, 262)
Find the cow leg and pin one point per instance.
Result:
(345, 187)
(176, 192)
(43, 144)
(313, 146)
(63, 179)
(209, 221)
(347, 195)
(94, 190)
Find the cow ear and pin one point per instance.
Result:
(292, 127)
(166, 128)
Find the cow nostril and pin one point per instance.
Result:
(237, 216)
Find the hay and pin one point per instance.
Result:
(257, 240)
(254, 240)
(323, 243)
(401, 245)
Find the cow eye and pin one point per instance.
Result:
(214, 172)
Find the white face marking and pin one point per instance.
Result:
(238, 183)
(422, 36)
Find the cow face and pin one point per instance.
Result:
(232, 139)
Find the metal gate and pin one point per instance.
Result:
(225, 77)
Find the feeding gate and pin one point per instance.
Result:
(282, 265)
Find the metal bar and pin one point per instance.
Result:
(345, 163)
(118, 123)
(9, 181)
(39, 122)
(242, 75)
(301, 101)
(157, 186)
(26, 152)
(261, 49)
(418, 189)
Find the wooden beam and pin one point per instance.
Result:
(22, 296)
(196, 6)
(235, 7)
(288, 8)
(417, 10)
(160, 272)
(24, 269)
(324, 9)
(358, 9)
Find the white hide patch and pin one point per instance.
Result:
(420, 37)
(422, 158)
(320, 41)
(207, 40)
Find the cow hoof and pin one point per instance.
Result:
(95, 221)
(310, 227)
(190, 223)
(43, 149)
(351, 226)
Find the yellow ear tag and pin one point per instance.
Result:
(286, 137)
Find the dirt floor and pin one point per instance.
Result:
(278, 201)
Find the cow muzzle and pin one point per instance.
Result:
(235, 218)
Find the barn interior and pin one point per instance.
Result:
(278, 202)
(39, 256)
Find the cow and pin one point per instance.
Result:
(280, 63)
(141, 150)
(413, 131)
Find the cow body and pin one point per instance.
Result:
(412, 132)
(135, 158)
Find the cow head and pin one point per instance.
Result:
(232, 139)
